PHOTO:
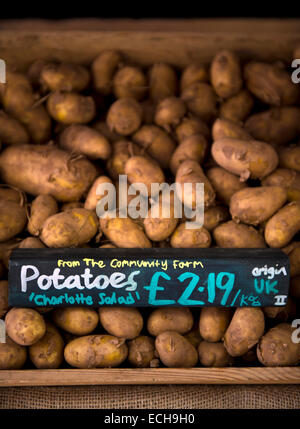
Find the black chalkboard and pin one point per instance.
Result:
(148, 277)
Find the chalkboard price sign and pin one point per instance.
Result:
(148, 277)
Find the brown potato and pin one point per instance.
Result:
(6, 248)
(213, 323)
(92, 197)
(56, 172)
(103, 69)
(215, 215)
(124, 232)
(48, 352)
(237, 107)
(177, 319)
(12, 219)
(162, 81)
(71, 228)
(193, 73)
(282, 314)
(201, 100)
(140, 169)
(289, 157)
(122, 151)
(24, 326)
(159, 228)
(86, 141)
(245, 158)
(276, 347)
(141, 352)
(73, 205)
(11, 130)
(226, 74)
(226, 129)
(149, 107)
(102, 128)
(64, 77)
(130, 82)
(31, 243)
(286, 178)
(12, 194)
(224, 183)
(295, 287)
(193, 148)
(76, 320)
(246, 327)
(96, 351)
(42, 207)
(169, 112)
(271, 83)
(34, 72)
(12, 355)
(71, 108)
(183, 237)
(237, 235)
(294, 256)
(281, 228)
(193, 336)
(175, 351)
(124, 116)
(214, 355)
(191, 126)
(256, 205)
(124, 322)
(3, 297)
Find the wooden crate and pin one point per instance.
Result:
(178, 42)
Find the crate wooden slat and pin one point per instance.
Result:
(77, 377)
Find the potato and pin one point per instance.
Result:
(24, 326)
(141, 352)
(92, 198)
(103, 68)
(237, 235)
(102, 128)
(191, 126)
(124, 116)
(224, 183)
(73, 205)
(293, 251)
(201, 100)
(193, 148)
(107, 246)
(140, 169)
(96, 351)
(245, 158)
(162, 81)
(12, 131)
(71, 228)
(156, 142)
(71, 108)
(237, 107)
(255, 205)
(246, 327)
(295, 287)
(122, 150)
(226, 129)
(76, 320)
(12, 355)
(193, 336)
(130, 82)
(48, 352)
(12, 219)
(161, 227)
(12, 194)
(271, 83)
(282, 314)
(169, 112)
(31, 243)
(125, 322)
(278, 125)
(6, 248)
(86, 141)
(175, 351)
(18, 100)
(190, 171)
(286, 178)
(289, 157)
(124, 232)
(42, 207)
(213, 323)
(281, 228)
(56, 172)
(3, 297)
(214, 355)
(276, 347)
(64, 77)
(215, 215)
(183, 237)
(34, 72)
(149, 107)
(193, 73)
(177, 319)
(226, 74)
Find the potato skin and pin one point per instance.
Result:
(193, 148)
(25, 326)
(141, 351)
(103, 68)
(289, 157)
(224, 183)
(76, 320)
(162, 81)
(286, 178)
(160, 228)
(169, 112)
(124, 322)
(281, 228)
(176, 319)
(226, 74)
(12, 219)
(31, 243)
(233, 235)
(190, 126)
(226, 129)
(237, 107)
(12, 131)
(71, 108)
(122, 150)
(42, 207)
(124, 116)
(214, 355)
(201, 100)
(3, 297)
(245, 329)
(245, 158)
(92, 198)
(56, 172)
(48, 352)
(183, 237)
(124, 232)
(213, 323)
(140, 169)
(175, 351)
(255, 205)
(215, 215)
(64, 77)
(195, 72)
(130, 82)
(12, 355)
(276, 347)
(96, 351)
(71, 228)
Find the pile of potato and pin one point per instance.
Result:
(67, 128)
